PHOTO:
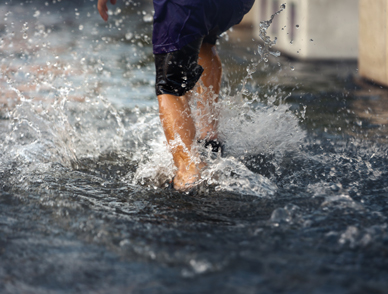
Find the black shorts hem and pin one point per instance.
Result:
(177, 72)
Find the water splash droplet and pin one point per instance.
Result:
(24, 30)
(147, 18)
(275, 53)
(280, 215)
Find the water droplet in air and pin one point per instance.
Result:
(311, 40)
(147, 18)
(183, 85)
(128, 36)
(81, 27)
(36, 14)
(297, 26)
(24, 30)
(292, 68)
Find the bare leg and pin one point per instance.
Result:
(211, 79)
(176, 119)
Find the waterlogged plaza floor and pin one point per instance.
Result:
(297, 204)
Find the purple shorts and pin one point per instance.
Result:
(180, 22)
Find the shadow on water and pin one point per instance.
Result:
(296, 205)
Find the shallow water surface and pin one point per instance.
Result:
(297, 204)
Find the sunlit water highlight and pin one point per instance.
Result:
(297, 203)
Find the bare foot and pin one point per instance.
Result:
(187, 178)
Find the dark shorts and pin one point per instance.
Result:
(180, 27)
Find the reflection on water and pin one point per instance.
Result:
(297, 204)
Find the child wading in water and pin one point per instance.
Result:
(184, 37)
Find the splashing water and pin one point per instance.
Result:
(59, 130)
(297, 201)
